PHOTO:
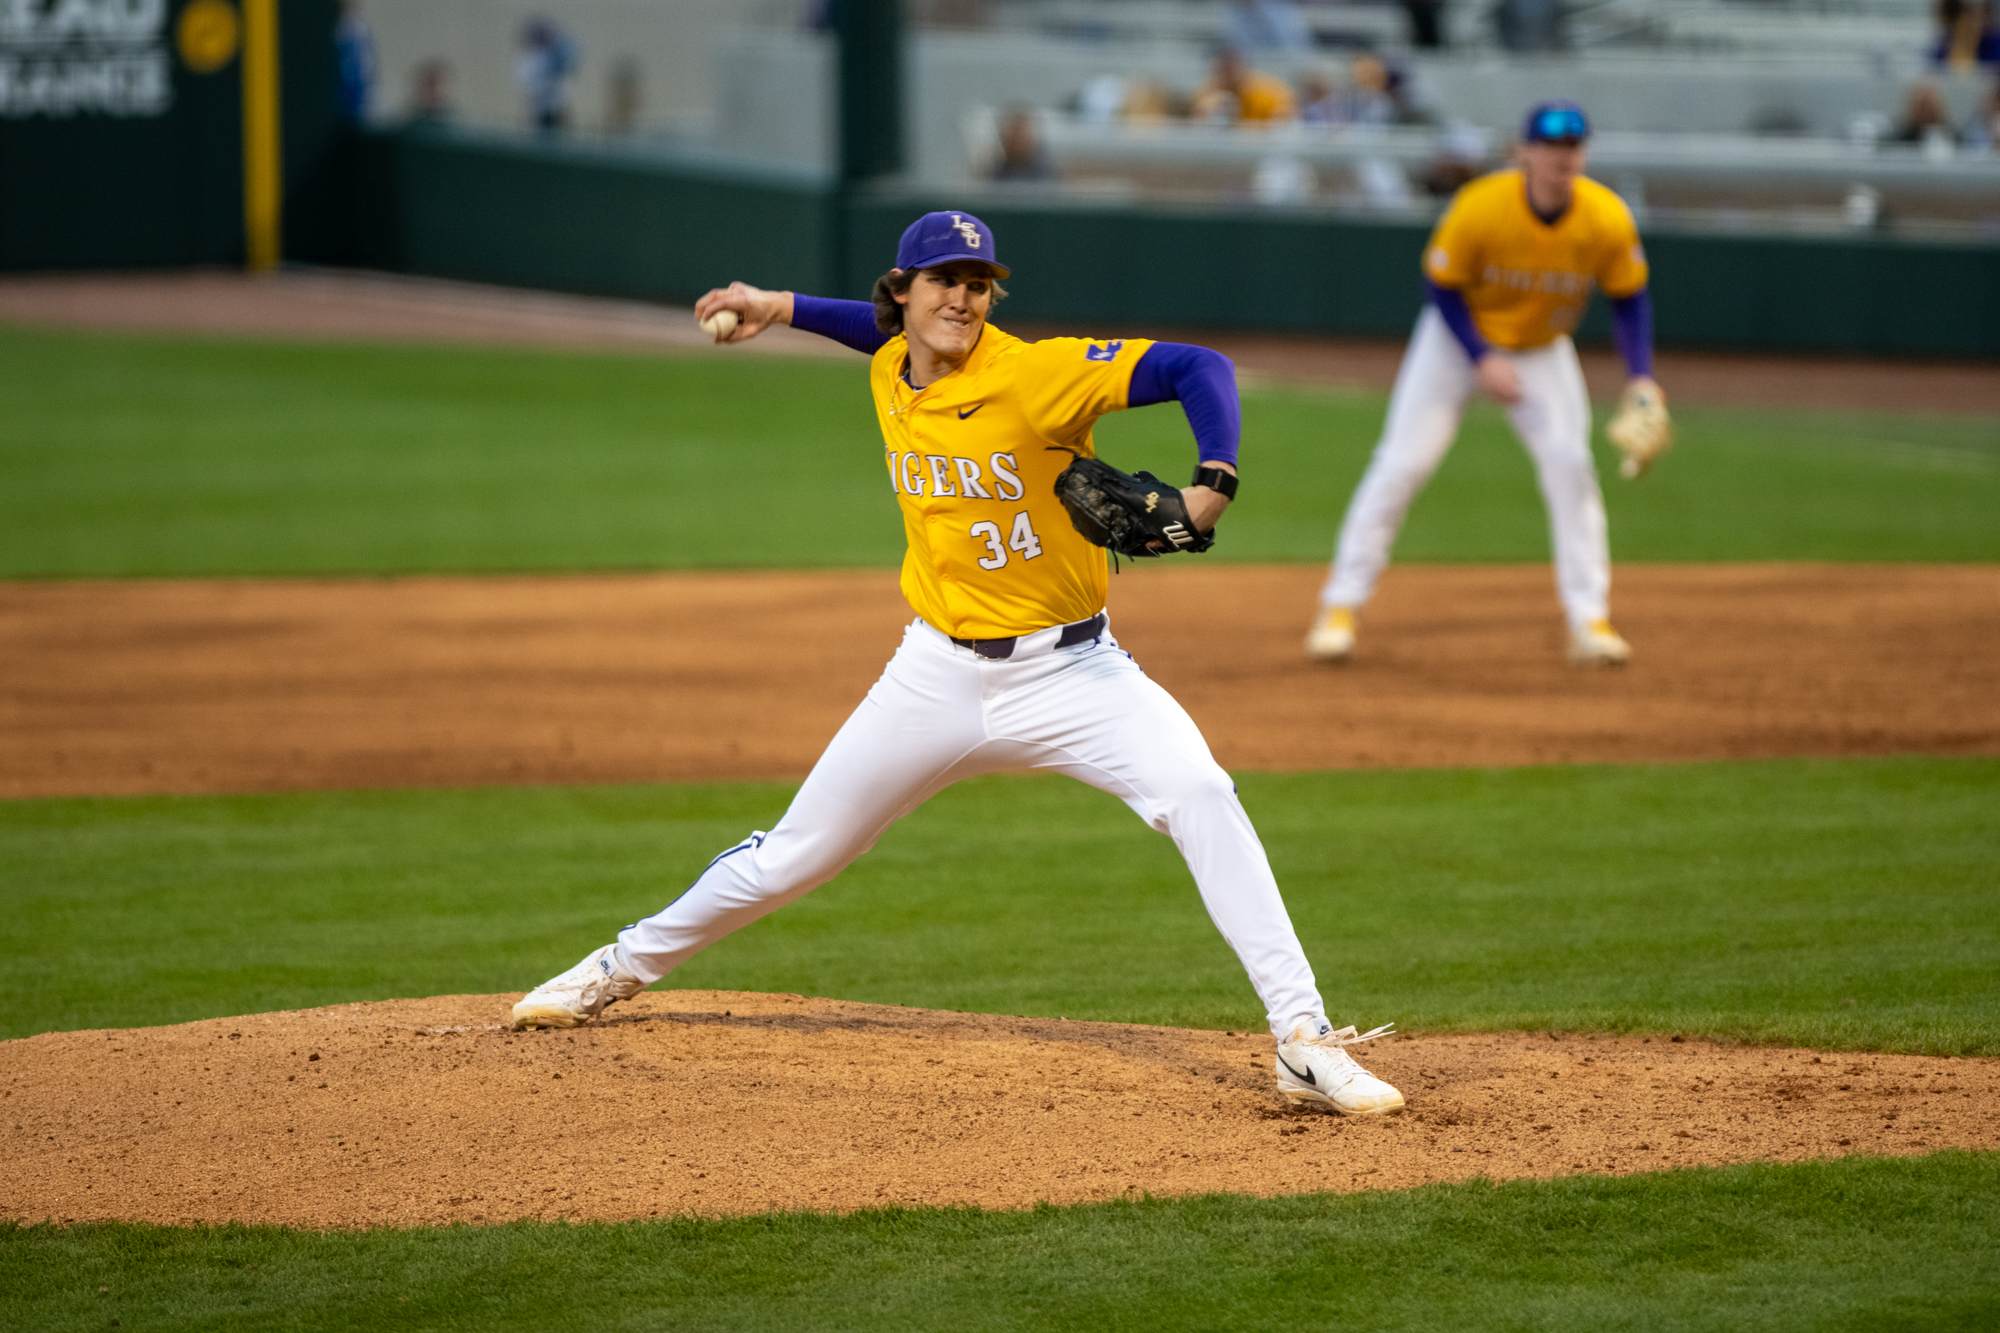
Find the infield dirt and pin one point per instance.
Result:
(248, 685)
(409, 1112)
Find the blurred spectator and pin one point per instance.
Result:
(623, 96)
(1983, 130)
(1463, 158)
(548, 58)
(1371, 98)
(1426, 23)
(1102, 101)
(1149, 101)
(1022, 156)
(1370, 95)
(1967, 35)
(1924, 115)
(1239, 93)
(1267, 25)
(1532, 25)
(1319, 104)
(354, 55)
(430, 94)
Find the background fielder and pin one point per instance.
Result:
(1010, 663)
(1510, 268)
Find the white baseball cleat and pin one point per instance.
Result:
(1331, 638)
(1597, 644)
(1314, 1066)
(578, 995)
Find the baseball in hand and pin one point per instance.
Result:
(720, 324)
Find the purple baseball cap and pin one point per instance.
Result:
(1552, 122)
(947, 238)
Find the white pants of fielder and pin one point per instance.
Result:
(941, 713)
(1553, 422)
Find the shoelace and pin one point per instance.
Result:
(1346, 1036)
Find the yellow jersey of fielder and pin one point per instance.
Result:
(973, 459)
(1527, 281)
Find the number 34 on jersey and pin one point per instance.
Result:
(946, 476)
(1021, 539)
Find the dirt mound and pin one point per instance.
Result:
(249, 685)
(410, 1112)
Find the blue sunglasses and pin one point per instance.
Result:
(1560, 122)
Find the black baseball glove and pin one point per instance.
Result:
(1134, 514)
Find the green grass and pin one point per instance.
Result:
(1740, 484)
(1851, 904)
(189, 456)
(1855, 1244)
(128, 455)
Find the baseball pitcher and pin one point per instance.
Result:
(1510, 269)
(1010, 662)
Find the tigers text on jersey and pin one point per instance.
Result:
(974, 459)
(1527, 281)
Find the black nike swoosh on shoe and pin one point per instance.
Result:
(970, 410)
(1303, 1078)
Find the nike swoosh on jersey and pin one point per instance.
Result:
(1303, 1078)
(970, 410)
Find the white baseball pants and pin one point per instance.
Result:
(941, 713)
(1553, 422)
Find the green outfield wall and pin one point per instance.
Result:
(514, 210)
(545, 214)
(121, 135)
(1109, 266)
(1105, 267)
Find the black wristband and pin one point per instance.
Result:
(1216, 480)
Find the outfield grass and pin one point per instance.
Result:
(124, 455)
(1849, 904)
(1855, 1244)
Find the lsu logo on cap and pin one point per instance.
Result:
(1108, 352)
(967, 230)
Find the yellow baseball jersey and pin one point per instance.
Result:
(973, 459)
(1527, 281)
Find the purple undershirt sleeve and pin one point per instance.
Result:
(1203, 381)
(851, 323)
(1450, 303)
(1632, 321)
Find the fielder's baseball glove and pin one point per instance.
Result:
(1134, 514)
(1642, 430)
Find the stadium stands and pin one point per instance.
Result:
(1776, 115)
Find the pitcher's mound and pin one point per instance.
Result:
(409, 1112)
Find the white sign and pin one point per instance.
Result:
(63, 58)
